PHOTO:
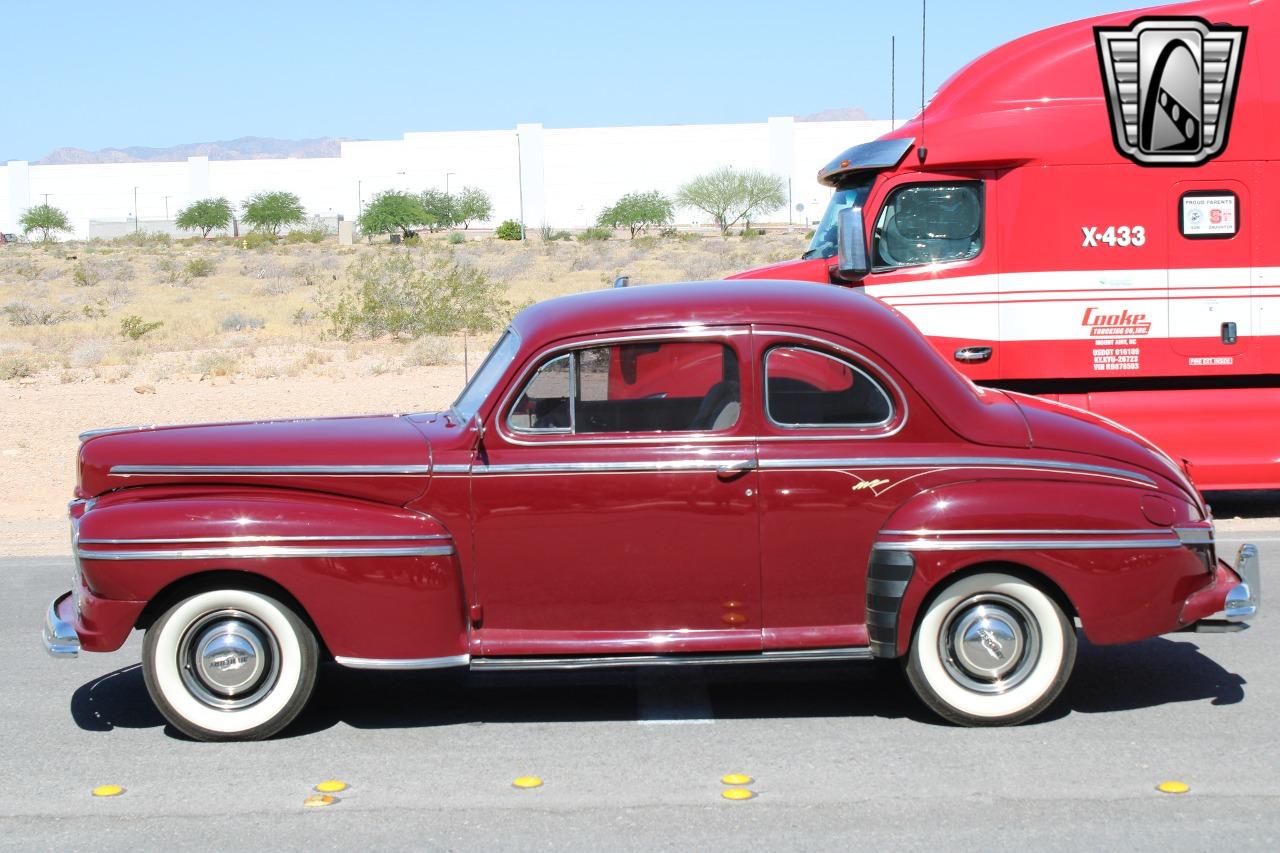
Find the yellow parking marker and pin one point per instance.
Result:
(737, 794)
(527, 782)
(317, 800)
(331, 786)
(736, 779)
(108, 791)
(1173, 787)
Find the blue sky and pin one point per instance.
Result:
(95, 75)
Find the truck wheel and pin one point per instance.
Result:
(991, 650)
(229, 664)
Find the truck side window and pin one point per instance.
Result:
(929, 223)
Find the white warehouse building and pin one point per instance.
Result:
(561, 177)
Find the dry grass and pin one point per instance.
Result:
(250, 314)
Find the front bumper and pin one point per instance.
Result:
(1233, 600)
(59, 634)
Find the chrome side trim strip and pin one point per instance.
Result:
(450, 469)
(873, 462)
(198, 539)
(503, 664)
(1194, 535)
(403, 663)
(1024, 545)
(269, 470)
(603, 467)
(920, 531)
(254, 552)
(94, 433)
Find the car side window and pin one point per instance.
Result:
(808, 388)
(929, 223)
(649, 386)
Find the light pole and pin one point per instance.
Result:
(447, 175)
(46, 198)
(166, 207)
(520, 182)
(135, 210)
(359, 198)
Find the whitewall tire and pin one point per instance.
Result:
(229, 664)
(991, 650)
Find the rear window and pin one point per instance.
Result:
(808, 388)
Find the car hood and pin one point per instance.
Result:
(383, 458)
(1057, 426)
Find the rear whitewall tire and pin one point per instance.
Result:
(286, 649)
(959, 692)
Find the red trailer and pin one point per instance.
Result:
(1082, 214)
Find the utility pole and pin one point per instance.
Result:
(520, 178)
(893, 73)
(46, 198)
(135, 210)
(447, 175)
(166, 207)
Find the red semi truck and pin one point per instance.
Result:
(1090, 213)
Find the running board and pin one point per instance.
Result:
(503, 664)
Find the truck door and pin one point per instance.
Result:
(1210, 267)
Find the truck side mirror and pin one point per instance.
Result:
(851, 245)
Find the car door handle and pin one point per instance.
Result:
(731, 469)
(973, 354)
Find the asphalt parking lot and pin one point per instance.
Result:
(840, 754)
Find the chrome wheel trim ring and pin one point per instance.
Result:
(229, 659)
(989, 643)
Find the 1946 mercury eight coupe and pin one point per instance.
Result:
(701, 473)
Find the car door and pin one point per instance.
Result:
(827, 409)
(614, 501)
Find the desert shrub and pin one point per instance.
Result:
(144, 239)
(134, 327)
(509, 230)
(429, 352)
(17, 366)
(200, 268)
(315, 232)
(26, 314)
(171, 272)
(87, 354)
(394, 295)
(87, 273)
(257, 240)
(457, 239)
(237, 322)
(751, 232)
(28, 270)
(595, 232)
(217, 364)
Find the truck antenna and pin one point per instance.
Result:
(893, 71)
(922, 151)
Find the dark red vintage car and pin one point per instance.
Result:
(696, 473)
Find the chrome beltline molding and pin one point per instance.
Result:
(253, 552)
(450, 469)
(495, 664)
(938, 462)
(270, 470)
(403, 663)
(919, 531)
(606, 467)
(201, 539)
(1024, 544)
(94, 433)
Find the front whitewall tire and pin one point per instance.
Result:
(1047, 645)
(288, 653)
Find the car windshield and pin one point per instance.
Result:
(481, 385)
(823, 244)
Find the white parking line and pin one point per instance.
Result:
(666, 700)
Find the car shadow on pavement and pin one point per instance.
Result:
(1106, 679)
(1244, 504)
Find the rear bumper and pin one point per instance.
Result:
(1234, 599)
(59, 634)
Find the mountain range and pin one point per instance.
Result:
(244, 148)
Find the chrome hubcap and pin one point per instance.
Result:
(229, 659)
(989, 643)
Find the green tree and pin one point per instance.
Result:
(205, 216)
(392, 210)
(46, 219)
(472, 205)
(637, 211)
(441, 210)
(268, 212)
(730, 195)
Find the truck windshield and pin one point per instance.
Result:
(481, 384)
(850, 195)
